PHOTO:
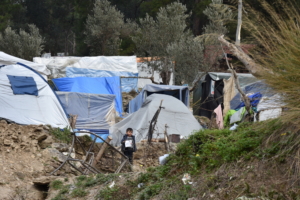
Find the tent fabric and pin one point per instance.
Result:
(255, 87)
(180, 92)
(229, 93)
(100, 66)
(174, 113)
(30, 109)
(95, 112)
(104, 85)
(254, 100)
(6, 59)
(23, 85)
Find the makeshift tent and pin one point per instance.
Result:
(146, 71)
(104, 85)
(96, 112)
(179, 92)
(100, 66)
(209, 93)
(7, 59)
(174, 114)
(26, 97)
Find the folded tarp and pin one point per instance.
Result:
(100, 66)
(108, 85)
(174, 114)
(179, 92)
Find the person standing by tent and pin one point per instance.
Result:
(128, 144)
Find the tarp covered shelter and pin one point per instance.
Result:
(103, 85)
(96, 112)
(7, 59)
(98, 66)
(179, 92)
(174, 113)
(26, 97)
(209, 92)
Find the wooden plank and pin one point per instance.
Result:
(101, 151)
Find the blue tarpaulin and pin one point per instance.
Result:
(101, 85)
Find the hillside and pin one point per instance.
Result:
(258, 161)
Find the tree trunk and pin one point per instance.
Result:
(239, 25)
(249, 63)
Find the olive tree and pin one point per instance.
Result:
(22, 44)
(104, 27)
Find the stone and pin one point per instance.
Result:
(20, 175)
(54, 154)
(44, 180)
(7, 142)
(46, 143)
(41, 137)
(62, 147)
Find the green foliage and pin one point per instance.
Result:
(102, 35)
(61, 135)
(56, 184)
(79, 192)
(22, 44)
(212, 148)
(151, 191)
(109, 193)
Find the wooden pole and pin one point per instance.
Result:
(101, 152)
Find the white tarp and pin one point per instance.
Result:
(175, 114)
(30, 109)
(6, 59)
(269, 114)
(145, 71)
(58, 65)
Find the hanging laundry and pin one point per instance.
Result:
(219, 117)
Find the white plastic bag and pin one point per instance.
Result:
(234, 127)
(163, 159)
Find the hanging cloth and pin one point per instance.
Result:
(219, 117)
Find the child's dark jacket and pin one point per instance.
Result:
(123, 143)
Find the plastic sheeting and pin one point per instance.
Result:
(175, 114)
(94, 111)
(6, 59)
(258, 86)
(180, 92)
(100, 66)
(108, 85)
(30, 109)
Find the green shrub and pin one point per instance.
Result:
(56, 184)
(61, 135)
(79, 192)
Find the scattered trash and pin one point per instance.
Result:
(186, 179)
(112, 184)
(140, 185)
(234, 127)
(163, 159)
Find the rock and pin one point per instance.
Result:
(52, 153)
(44, 180)
(62, 147)
(20, 175)
(38, 129)
(7, 142)
(46, 143)
(41, 137)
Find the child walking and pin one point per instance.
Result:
(128, 144)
